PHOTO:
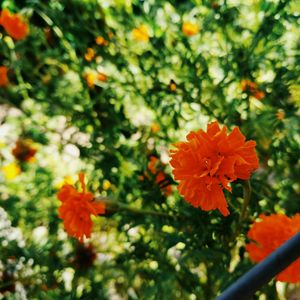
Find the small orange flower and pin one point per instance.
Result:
(141, 33)
(92, 77)
(190, 29)
(259, 95)
(23, 151)
(90, 54)
(3, 76)
(155, 127)
(155, 168)
(252, 88)
(76, 210)
(14, 25)
(101, 76)
(280, 115)
(101, 41)
(268, 234)
(208, 162)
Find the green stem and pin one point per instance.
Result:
(60, 34)
(118, 206)
(247, 196)
(11, 46)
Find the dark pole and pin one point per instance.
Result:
(263, 272)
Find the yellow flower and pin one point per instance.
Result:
(190, 29)
(106, 185)
(141, 33)
(66, 180)
(90, 79)
(11, 171)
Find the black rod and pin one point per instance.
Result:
(263, 272)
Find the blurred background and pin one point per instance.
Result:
(106, 87)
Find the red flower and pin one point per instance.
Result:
(76, 210)
(208, 162)
(14, 25)
(268, 234)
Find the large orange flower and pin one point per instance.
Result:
(14, 25)
(76, 210)
(208, 162)
(3, 76)
(268, 234)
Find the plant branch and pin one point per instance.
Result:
(115, 206)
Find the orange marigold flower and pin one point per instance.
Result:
(155, 168)
(90, 54)
(14, 25)
(190, 29)
(101, 41)
(23, 151)
(155, 127)
(259, 95)
(268, 234)
(141, 33)
(252, 88)
(280, 115)
(3, 76)
(101, 76)
(76, 209)
(91, 77)
(208, 162)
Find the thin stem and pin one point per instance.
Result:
(11, 46)
(247, 191)
(247, 196)
(118, 206)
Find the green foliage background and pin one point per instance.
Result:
(175, 251)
